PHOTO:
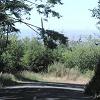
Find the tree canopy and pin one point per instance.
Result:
(18, 11)
(12, 11)
(53, 38)
(96, 12)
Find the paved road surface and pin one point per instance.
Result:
(44, 91)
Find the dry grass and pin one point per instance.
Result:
(69, 76)
(66, 79)
(59, 74)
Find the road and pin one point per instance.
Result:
(44, 91)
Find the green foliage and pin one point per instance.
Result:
(36, 57)
(46, 8)
(96, 13)
(31, 54)
(11, 58)
(27, 76)
(32, 50)
(41, 62)
(84, 56)
(11, 12)
(54, 1)
(7, 79)
(52, 39)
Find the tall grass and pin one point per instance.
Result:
(28, 76)
(60, 70)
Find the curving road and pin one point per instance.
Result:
(44, 91)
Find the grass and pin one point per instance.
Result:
(7, 79)
(60, 70)
(28, 76)
(56, 73)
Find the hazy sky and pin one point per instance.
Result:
(76, 18)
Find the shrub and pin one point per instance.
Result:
(84, 56)
(27, 76)
(7, 79)
(12, 56)
(42, 61)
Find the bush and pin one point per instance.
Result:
(36, 57)
(32, 55)
(27, 76)
(12, 56)
(42, 61)
(7, 79)
(32, 49)
(83, 56)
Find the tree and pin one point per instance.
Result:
(11, 57)
(51, 38)
(11, 12)
(93, 87)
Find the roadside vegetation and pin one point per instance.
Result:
(29, 60)
(53, 56)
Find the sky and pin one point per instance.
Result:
(76, 19)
